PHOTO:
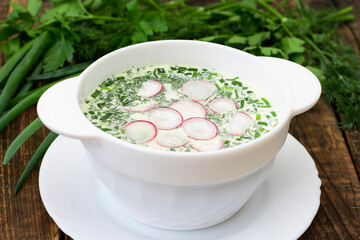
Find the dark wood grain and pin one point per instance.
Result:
(336, 154)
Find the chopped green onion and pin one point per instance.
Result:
(265, 101)
(106, 116)
(96, 93)
(101, 105)
(242, 103)
(262, 123)
(181, 69)
(229, 88)
(253, 101)
(236, 83)
(258, 116)
(236, 94)
(274, 114)
(257, 135)
(217, 86)
(232, 79)
(192, 69)
(160, 70)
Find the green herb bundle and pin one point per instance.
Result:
(65, 39)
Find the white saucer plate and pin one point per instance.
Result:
(282, 208)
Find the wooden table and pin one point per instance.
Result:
(336, 154)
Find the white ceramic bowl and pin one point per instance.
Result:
(177, 190)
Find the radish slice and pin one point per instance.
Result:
(221, 105)
(142, 107)
(150, 89)
(189, 108)
(209, 145)
(198, 90)
(199, 128)
(165, 118)
(239, 123)
(172, 139)
(141, 131)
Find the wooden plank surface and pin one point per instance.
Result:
(336, 154)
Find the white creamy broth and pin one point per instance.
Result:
(178, 108)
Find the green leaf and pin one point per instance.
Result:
(154, 23)
(317, 72)
(63, 10)
(11, 47)
(34, 6)
(62, 50)
(18, 7)
(292, 45)
(266, 51)
(258, 38)
(7, 32)
(139, 36)
(237, 41)
(299, 58)
(272, 51)
(134, 12)
(215, 39)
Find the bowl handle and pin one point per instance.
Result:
(305, 87)
(58, 110)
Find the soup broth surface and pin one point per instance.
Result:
(180, 108)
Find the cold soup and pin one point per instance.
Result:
(180, 108)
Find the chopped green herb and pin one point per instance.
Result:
(265, 101)
(262, 123)
(236, 83)
(236, 94)
(106, 116)
(229, 88)
(96, 93)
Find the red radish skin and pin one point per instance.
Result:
(198, 90)
(150, 89)
(221, 105)
(200, 128)
(209, 145)
(165, 118)
(172, 139)
(241, 129)
(134, 126)
(142, 108)
(189, 108)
